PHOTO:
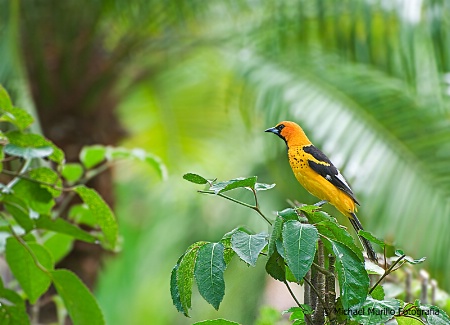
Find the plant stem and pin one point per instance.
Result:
(322, 270)
(296, 300)
(13, 182)
(386, 273)
(319, 315)
(253, 207)
(317, 293)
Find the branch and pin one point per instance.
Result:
(253, 207)
(386, 273)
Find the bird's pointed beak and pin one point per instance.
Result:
(273, 130)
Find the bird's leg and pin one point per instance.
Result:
(319, 204)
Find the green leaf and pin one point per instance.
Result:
(299, 242)
(288, 214)
(12, 307)
(79, 301)
(36, 197)
(248, 246)
(435, 315)
(31, 140)
(233, 184)
(275, 267)
(367, 235)
(72, 172)
(14, 115)
(228, 251)
(27, 152)
(5, 100)
(49, 176)
(275, 234)
(174, 291)
(185, 275)
(338, 233)
(375, 311)
(409, 259)
(64, 227)
(263, 186)
(33, 280)
(17, 116)
(81, 214)
(102, 212)
(90, 156)
(378, 293)
(209, 269)
(352, 276)
(194, 178)
(219, 321)
(59, 245)
(19, 211)
(402, 320)
(114, 153)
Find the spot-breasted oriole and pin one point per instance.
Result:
(319, 176)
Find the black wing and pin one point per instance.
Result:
(328, 170)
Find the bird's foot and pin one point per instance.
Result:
(319, 204)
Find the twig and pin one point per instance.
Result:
(256, 208)
(296, 300)
(322, 270)
(14, 181)
(387, 272)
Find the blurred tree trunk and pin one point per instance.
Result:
(72, 82)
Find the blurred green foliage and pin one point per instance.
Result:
(198, 81)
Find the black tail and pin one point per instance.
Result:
(367, 245)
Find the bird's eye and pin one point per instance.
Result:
(280, 127)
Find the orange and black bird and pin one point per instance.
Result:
(319, 176)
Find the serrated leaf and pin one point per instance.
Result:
(378, 293)
(299, 242)
(58, 245)
(27, 152)
(31, 278)
(79, 301)
(409, 259)
(174, 291)
(334, 231)
(248, 246)
(64, 227)
(317, 216)
(288, 214)
(185, 275)
(275, 234)
(102, 213)
(90, 156)
(219, 321)
(195, 178)
(209, 269)
(375, 311)
(435, 315)
(263, 186)
(352, 276)
(367, 235)
(12, 307)
(275, 267)
(31, 140)
(72, 172)
(232, 184)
